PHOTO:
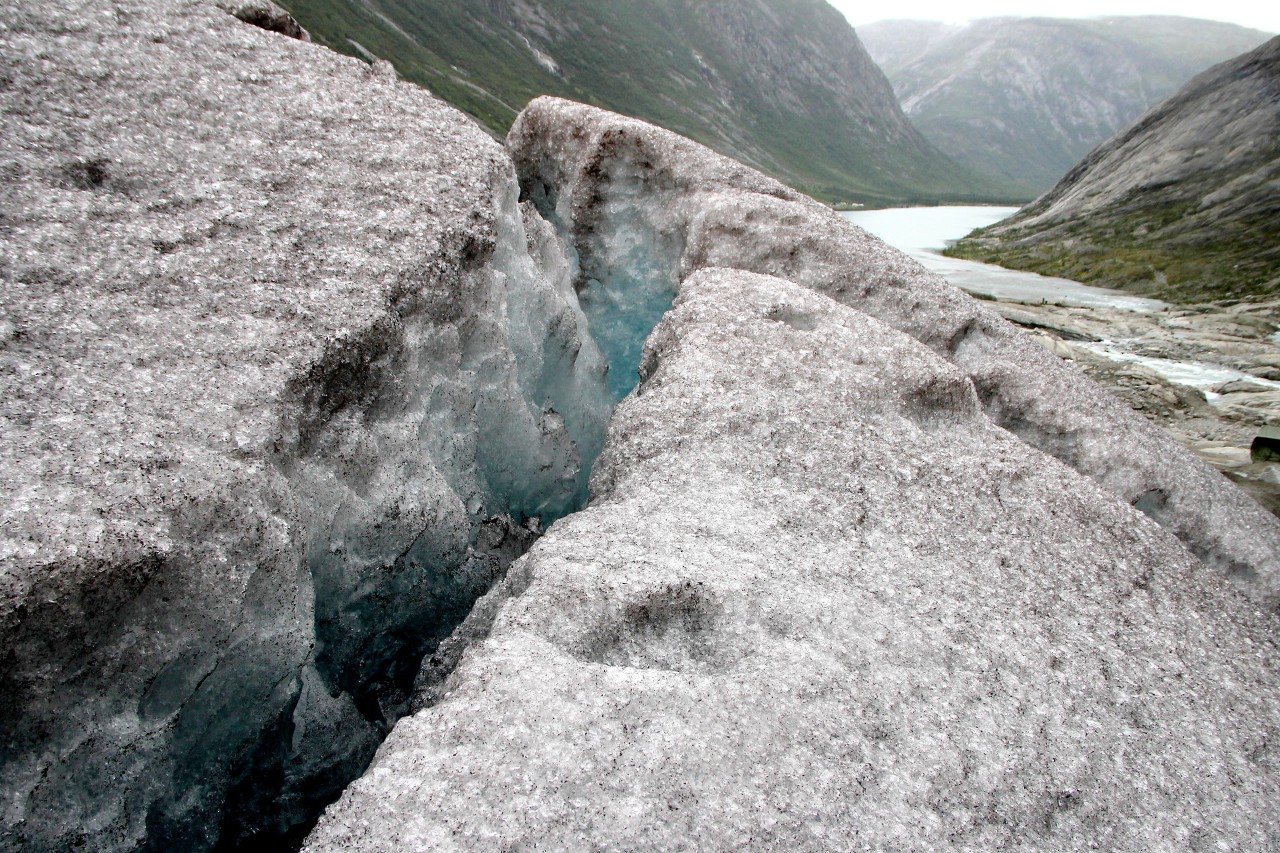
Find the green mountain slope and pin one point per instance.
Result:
(783, 85)
(1184, 204)
(1027, 98)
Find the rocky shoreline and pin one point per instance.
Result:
(1216, 420)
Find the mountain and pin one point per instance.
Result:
(1185, 204)
(783, 85)
(895, 44)
(1026, 98)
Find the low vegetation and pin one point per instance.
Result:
(1242, 263)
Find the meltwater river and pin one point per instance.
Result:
(923, 232)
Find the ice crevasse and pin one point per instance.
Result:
(279, 411)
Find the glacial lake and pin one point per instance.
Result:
(923, 232)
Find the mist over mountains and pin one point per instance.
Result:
(1025, 98)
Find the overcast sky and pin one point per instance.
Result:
(1259, 14)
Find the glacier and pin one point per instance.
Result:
(584, 166)
(820, 601)
(861, 567)
(291, 381)
(327, 419)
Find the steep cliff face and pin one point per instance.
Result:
(1025, 99)
(784, 85)
(1184, 204)
(288, 377)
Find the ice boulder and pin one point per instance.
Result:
(641, 208)
(287, 377)
(821, 601)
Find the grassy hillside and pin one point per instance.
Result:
(783, 85)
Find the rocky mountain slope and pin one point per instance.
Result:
(783, 85)
(1026, 98)
(296, 363)
(1184, 204)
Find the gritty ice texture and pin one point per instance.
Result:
(836, 587)
(623, 189)
(295, 362)
(821, 601)
(287, 378)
